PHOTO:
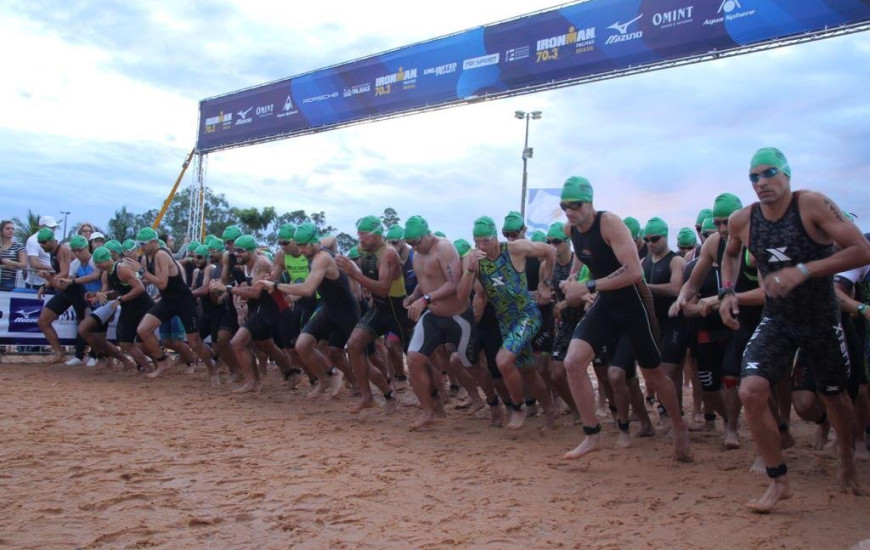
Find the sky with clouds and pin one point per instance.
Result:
(100, 107)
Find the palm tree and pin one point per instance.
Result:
(24, 229)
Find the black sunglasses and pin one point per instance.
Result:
(284, 243)
(394, 243)
(200, 257)
(239, 251)
(706, 234)
(654, 239)
(415, 242)
(767, 174)
(720, 222)
(510, 234)
(686, 247)
(555, 241)
(573, 205)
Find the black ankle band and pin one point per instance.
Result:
(454, 387)
(530, 402)
(783, 428)
(331, 371)
(401, 378)
(592, 431)
(388, 395)
(161, 358)
(623, 426)
(823, 419)
(613, 409)
(434, 393)
(777, 471)
(516, 407)
(709, 417)
(493, 403)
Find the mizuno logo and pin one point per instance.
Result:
(622, 28)
(27, 314)
(244, 114)
(778, 254)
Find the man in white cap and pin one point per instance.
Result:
(37, 258)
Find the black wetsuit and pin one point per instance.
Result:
(338, 313)
(132, 311)
(671, 343)
(176, 298)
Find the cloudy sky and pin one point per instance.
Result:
(100, 107)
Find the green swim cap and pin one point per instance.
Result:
(538, 237)
(584, 274)
(286, 231)
(726, 204)
(129, 244)
(770, 156)
(306, 233)
(114, 246)
(440, 234)
(78, 242)
(162, 243)
(209, 238)
(246, 242)
(416, 227)
(686, 237)
(101, 254)
(633, 225)
(201, 250)
(370, 224)
(147, 234)
(269, 255)
(708, 224)
(483, 227)
(849, 215)
(703, 215)
(44, 235)
(216, 244)
(577, 189)
(513, 221)
(395, 233)
(656, 226)
(193, 245)
(462, 247)
(556, 231)
(353, 253)
(231, 233)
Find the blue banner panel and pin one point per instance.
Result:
(531, 52)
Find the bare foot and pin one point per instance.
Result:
(682, 449)
(162, 367)
(703, 426)
(820, 437)
(646, 430)
(293, 380)
(476, 405)
(440, 411)
(623, 440)
(215, 381)
(532, 410)
(550, 416)
(847, 475)
(426, 418)
(391, 406)
(190, 369)
(337, 385)
(665, 424)
(786, 441)
(237, 378)
(54, 358)
(496, 416)
(591, 444)
(758, 466)
(602, 413)
(363, 403)
(249, 387)
(316, 391)
(778, 489)
(518, 418)
(731, 440)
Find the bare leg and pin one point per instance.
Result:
(46, 318)
(638, 405)
(514, 381)
(150, 343)
(862, 417)
(317, 364)
(667, 395)
(732, 412)
(241, 346)
(577, 361)
(616, 377)
(423, 387)
(842, 417)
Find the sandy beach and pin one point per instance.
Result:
(111, 460)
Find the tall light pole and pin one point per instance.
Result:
(527, 154)
(65, 214)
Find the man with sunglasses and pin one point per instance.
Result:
(792, 236)
(210, 311)
(622, 313)
(176, 299)
(396, 238)
(686, 241)
(636, 234)
(290, 266)
(379, 272)
(499, 273)
(68, 295)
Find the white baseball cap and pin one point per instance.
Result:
(48, 221)
(97, 235)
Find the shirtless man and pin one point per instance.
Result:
(60, 258)
(792, 237)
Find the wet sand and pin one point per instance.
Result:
(115, 461)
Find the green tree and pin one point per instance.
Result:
(390, 217)
(26, 227)
(345, 242)
(254, 221)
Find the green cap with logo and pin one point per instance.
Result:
(44, 235)
(703, 215)
(201, 250)
(353, 253)
(246, 242)
(538, 237)
(440, 234)
(286, 231)
(656, 226)
(370, 224)
(556, 231)
(101, 254)
(114, 246)
(78, 242)
(193, 245)
(231, 233)
(415, 228)
(577, 188)
(462, 246)
(484, 227)
(771, 156)
(725, 205)
(686, 237)
(513, 221)
(395, 233)
(633, 225)
(147, 234)
(209, 238)
(129, 244)
(306, 233)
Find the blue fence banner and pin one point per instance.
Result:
(521, 55)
